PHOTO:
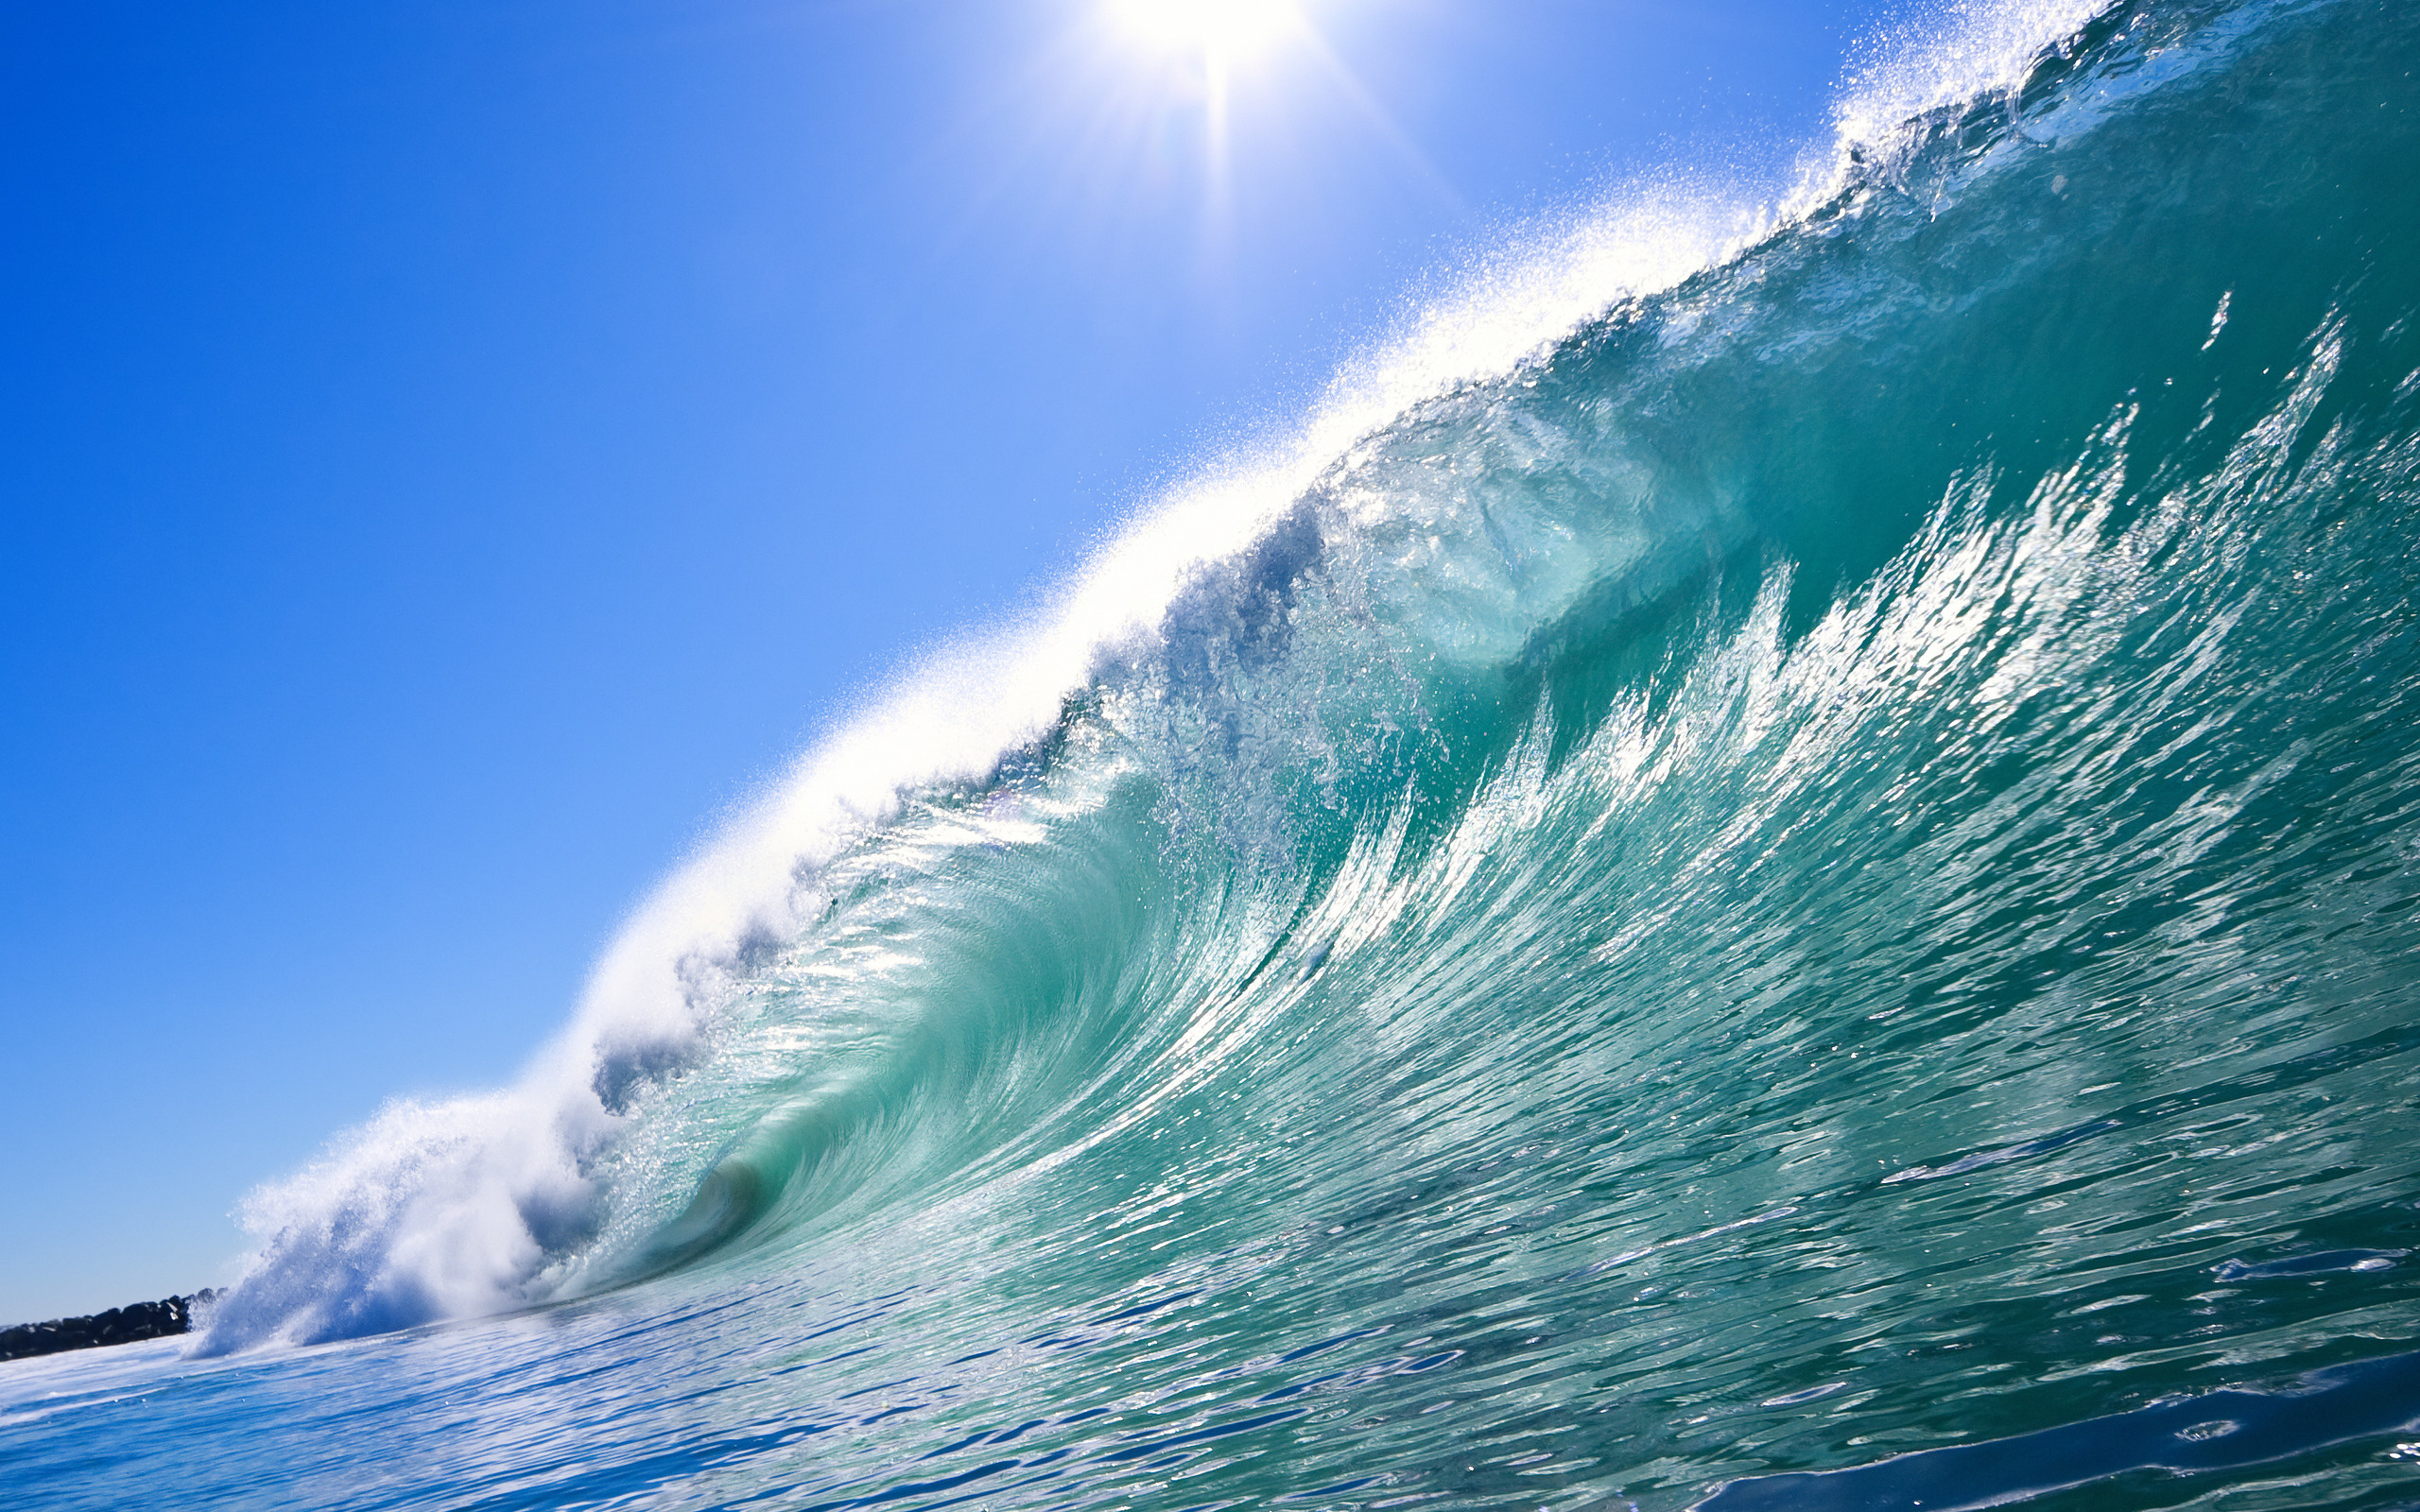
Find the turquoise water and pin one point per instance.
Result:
(1807, 898)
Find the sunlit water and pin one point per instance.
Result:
(1808, 897)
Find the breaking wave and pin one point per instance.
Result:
(1804, 777)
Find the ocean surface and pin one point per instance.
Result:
(1773, 862)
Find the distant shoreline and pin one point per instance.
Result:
(131, 1324)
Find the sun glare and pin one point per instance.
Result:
(1216, 29)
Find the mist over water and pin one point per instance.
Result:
(1775, 863)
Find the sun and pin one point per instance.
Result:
(1218, 29)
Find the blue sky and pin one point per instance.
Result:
(452, 452)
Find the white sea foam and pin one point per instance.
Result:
(483, 1203)
(1947, 55)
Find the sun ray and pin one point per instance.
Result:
(1380, 120)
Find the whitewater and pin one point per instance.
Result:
(1772, 861)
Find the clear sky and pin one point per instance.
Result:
(452, 451)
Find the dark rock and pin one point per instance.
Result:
(119, 1325)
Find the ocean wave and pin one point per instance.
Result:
(1674, 512)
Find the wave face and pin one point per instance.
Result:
(1808, 896)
